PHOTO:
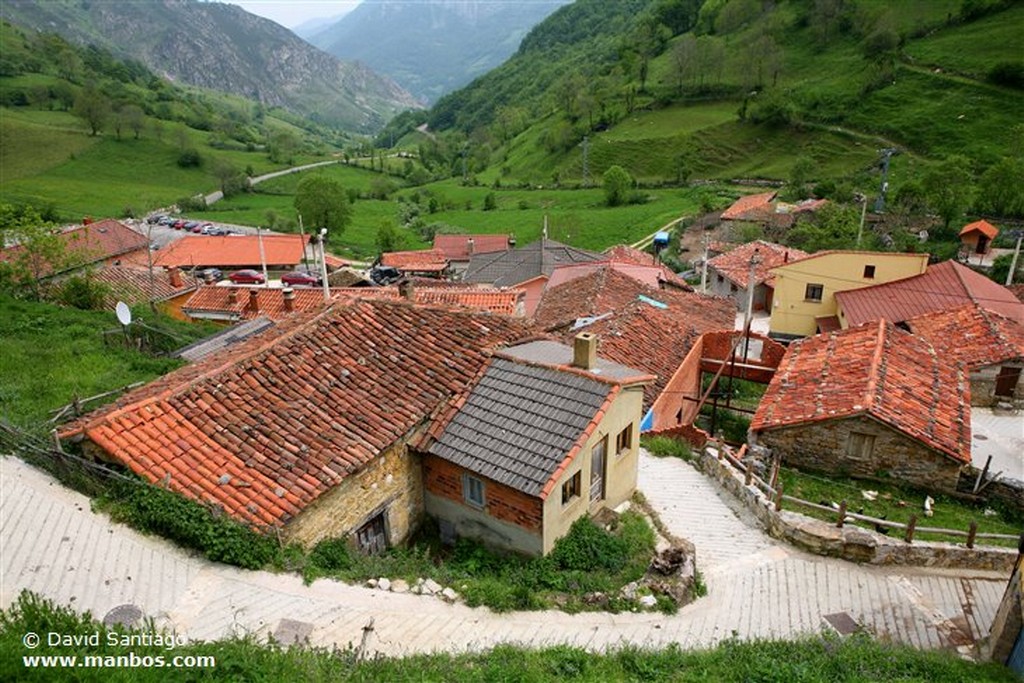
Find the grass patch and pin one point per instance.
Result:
(667, 447)
(808, 660)
(897, 503)
(49, 355)
(589, 560)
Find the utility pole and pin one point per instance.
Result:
(755, 259)
(1016, 254)
(586, 161)
(323, 266)
(302, 236)
(857, 196)
(263, 257)
(465, 151)
(706, 241)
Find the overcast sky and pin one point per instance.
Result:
(291, 13)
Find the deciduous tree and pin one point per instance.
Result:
(323, 203)
(617, 185)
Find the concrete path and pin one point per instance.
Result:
(1002, 437)
(52, 543)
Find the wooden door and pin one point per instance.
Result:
(598, 460)
(372, 537)
(1006, 381)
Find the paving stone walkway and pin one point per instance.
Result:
(53, 544)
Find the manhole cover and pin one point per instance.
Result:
(842, 622)
(292, 632)
(124, 615)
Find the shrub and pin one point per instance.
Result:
(617, 185)
(665, 446)
(189, 158)
(330, 555)
(587, 547)
(82, 291)
(1010, 74)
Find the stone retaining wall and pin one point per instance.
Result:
(850, 543)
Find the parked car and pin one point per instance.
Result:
(154, 219)
(165, 220)
(179, 224)
(301, 278)
(214, 274)
(195, 228)
(247, 277)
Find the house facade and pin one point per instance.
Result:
(868, 402)
(805, 290)
(729, 274)
(547, 435)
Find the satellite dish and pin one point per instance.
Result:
(124, 314)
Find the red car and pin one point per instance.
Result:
(247, 277)
(300, 278)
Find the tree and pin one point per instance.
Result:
(134, 118)
(617, 185)
(388, 238)
(93, 108)
(322, 202)
(230, 178)
(799, 176)
(948, 188)
(684, 60)
(40, 250)
(1001, 189)
(63, 93)
(834, 227)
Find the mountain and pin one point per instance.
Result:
(311, 27)
(223, 47)
(434, 46)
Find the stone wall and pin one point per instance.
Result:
(850, 543)
(1005, 489)
(822, 446)
(391, 483)
(983, 385)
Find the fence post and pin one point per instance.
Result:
(911, 525)
(778, 498)
(842, 514)
(972, 531)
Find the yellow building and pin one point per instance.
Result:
(805, 302)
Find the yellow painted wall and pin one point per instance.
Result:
(620, 481)
(792, 314)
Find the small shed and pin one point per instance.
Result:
(977, 237)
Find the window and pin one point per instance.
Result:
(624, 441)
(860, 446)
(473, 491)
(571, 488)
(814, 292)
(869, 272)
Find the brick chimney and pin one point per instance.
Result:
(254, 300)
(584, 350)
(174, 277)
(289, 299)
(470, 245)
(406, 291)
(232, 295)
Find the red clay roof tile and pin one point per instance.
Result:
(233, 251)
(984, 227)
(971, 335)
(457, 247)
(91, 243)
(751, 207)
(735, 264)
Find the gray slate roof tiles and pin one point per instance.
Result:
(507, 268)
(519, 422)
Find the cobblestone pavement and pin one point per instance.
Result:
(53, 544)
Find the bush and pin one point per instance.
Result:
(587, 547)
(83, 292)
(667, 447)
(1010, 74)
(330, 555)
(190, 158)
(617, 186)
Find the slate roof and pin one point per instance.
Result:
(751, 207)
(232, 251)
(520, 422)
(876, 370)
(944, 286)
(971, 335)
(268, 426)
(133, 285)
(490, 299)
(512, 267)
(638, 326)
(734, 265)
(984, 227)
(421, 261)
(222, 340)
(91, 243)
(456, 247)
(216, 299)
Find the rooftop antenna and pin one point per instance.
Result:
(124, 316)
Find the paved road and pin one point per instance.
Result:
(54, 544)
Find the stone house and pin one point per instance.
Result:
(872, 401)
(990, 345)
(304, 429)
(547, 434)
(729, 273)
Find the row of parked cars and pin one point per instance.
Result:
(297, 278)
(197, 227)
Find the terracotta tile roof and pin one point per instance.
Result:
(268, 426)
(638, 326)
(490, 299)
(456, 247)
(215, 300)
(91, 243)
(422, 261)
(621, 253)
(133, 285)
(943, 286)
(751, 207)
(333, 262)
(648, 275)
(984, 227)
(876, 370)
(971, 335)
(516, 266)
(232, 251)
(734, 265)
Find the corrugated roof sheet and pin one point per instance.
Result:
(420, 261)
(519, 423)
(751, 207)
(984, 227)
(878, 370)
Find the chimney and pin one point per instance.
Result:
(208, 277)
(511, 240)
(405, 290)
(584, 350)
(469, 246)
(174, 277)
(785, 256)
(232, 295)
(254, 300)
(289, 299)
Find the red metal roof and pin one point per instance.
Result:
(971, 335)
(943, 286)
(735, 264)
(984, 227)
(263, 429)
(877, 370)
(456, 247)
(232, 251)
